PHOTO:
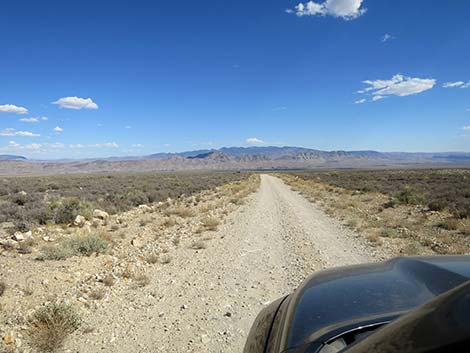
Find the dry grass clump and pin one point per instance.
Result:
(50, 325)
(3, 287)
(183, 212)
(210, 223)
(206, 207)
(55, 252)
(169, 222)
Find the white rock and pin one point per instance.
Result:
(100, 214)
(79, 221)
(18, 236)
(145, 208)
(138, 243)
(8, 243)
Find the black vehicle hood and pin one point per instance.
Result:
(338, 297)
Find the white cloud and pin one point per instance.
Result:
(345, 9)
(459, 84)
(398, 85)
(254, 141)
(33, 146)
(360, 101)
(377, 98)
(29, 120)
(106, 145)
(55, 145)
(278, 109)
(11, 108)
(58, 129)
(138, 145)
(76, 103)
(96, 145)
(16, 146)
(466, 128)
(128, 127)
(13, 132)
(387, 37)
(34, 119)
(13, 144)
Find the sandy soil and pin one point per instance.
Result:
(205, 300)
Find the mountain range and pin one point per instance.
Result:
(238, 158)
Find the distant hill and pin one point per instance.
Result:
(10, 157)
(239, 158)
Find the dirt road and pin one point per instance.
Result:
(205, 300)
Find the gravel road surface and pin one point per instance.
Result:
(205, 300)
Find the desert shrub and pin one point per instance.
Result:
(210, 223)
(182, 212)
(87, 245)
(389, 232)
(410, 196)
(50, 324)
(169, 222)
(59, 198)
(438, 189)
(437, 205)
(3, 286)
(65, 210)
(449, 224)
(464, 211)
(78, 245)
(55, 252)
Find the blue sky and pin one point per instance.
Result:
(104, 78)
